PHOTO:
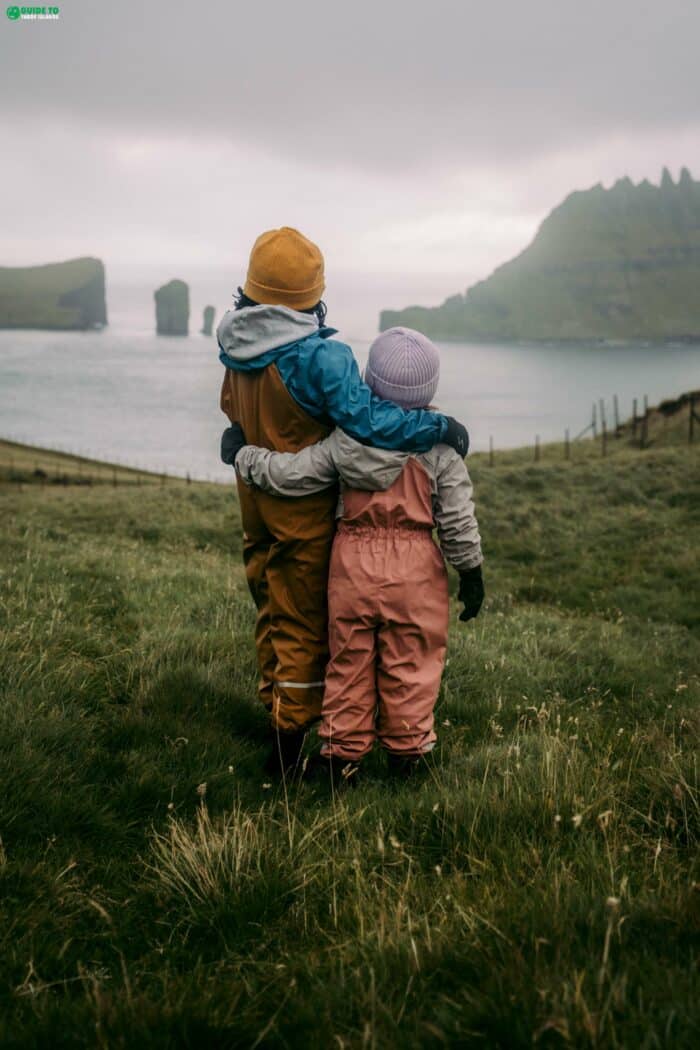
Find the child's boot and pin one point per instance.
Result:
(404, 767)
(284, 758)
(343, 772)
(337, 773)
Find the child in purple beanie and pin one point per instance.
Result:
(387, 589)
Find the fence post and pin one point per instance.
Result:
(594, 426)
(634, 418)
(537, 448)
(691, 419)
(490, 453)
(602, 412)
(645, 424)
(616, 413)
(603, 437)
(567, 445)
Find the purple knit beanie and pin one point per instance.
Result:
(403, 367)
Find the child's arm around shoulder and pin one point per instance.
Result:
(289, 473)
(455, 517)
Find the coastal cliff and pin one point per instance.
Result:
(63, 295)
(616, 264)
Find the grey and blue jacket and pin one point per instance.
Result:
(322, 376)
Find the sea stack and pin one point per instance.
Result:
(208, 320)
(65, 295)
(172, 308)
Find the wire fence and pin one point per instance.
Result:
(635, 432)
(55, 465)
(59, 465)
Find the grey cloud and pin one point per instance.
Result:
(382, 85)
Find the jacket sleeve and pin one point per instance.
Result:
(351, 405)
(458, 530)
(288, 473)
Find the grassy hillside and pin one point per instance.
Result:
(617, 264)
(68, 294)
(29, 465)
(540, 886)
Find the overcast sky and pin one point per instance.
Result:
(425, 143)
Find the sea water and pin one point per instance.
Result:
(125, 394)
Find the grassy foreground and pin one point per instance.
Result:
(542, 885)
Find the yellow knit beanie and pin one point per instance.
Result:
(285, 269)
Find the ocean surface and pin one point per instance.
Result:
(127, 395)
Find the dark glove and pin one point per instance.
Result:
(471, 592)
(457, 436)
(232, 441)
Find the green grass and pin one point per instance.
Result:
(540, 886)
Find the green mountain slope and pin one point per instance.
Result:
(614, 264)
(59, 295)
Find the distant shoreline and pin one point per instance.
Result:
(561, 343)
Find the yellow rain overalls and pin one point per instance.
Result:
(286, 552)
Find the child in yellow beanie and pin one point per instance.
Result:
(288, 383)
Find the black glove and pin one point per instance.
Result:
(232, 441)
(457, 436)
(471, 592)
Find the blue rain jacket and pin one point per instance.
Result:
(322, 376)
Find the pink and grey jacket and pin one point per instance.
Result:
(372, 469)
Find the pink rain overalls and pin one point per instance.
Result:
(388, 620)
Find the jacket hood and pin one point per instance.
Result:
(246, 334)
(364, 467)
